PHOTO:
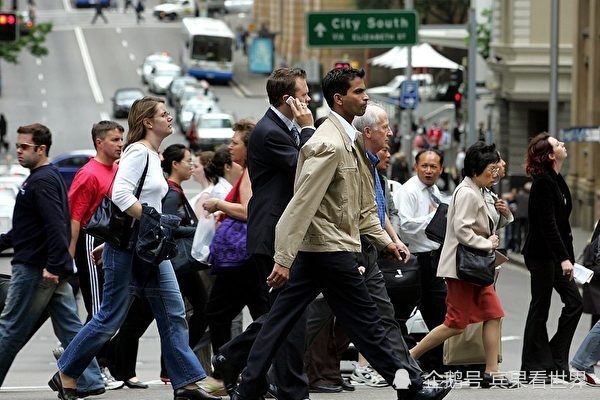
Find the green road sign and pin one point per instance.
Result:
(366, 28)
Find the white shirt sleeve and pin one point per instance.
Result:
(130, 170)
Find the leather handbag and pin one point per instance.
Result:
(475, 266)
(436, 229)
(110, 224)
(403, 284)
(467, 348)
(155, 242)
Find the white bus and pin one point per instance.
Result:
(208, 49)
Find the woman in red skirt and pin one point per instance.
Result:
(469, 224)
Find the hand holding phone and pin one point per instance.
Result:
(289, 100)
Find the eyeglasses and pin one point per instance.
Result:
(25, 146)
(164, 115)
(494, 170)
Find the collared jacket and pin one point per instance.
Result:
(334, 198)
(468, 223)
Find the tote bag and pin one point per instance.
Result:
(467, 348)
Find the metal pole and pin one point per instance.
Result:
(407, 115)
(471, 77)
(553, 104)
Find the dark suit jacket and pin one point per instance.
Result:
(272, 159)
(549, 228)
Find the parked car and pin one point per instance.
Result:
(150, 61)
(91, 3)
(161, 77)
(392, 88)
(123, 99)
(187, 93)
(177, 84)
(173, 9)
(211, 130)
(195, 106)
(69, 163)
(238, 6)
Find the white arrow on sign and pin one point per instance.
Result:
(320, 29)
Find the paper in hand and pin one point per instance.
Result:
(582, 274)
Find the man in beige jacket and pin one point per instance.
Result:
(318, 234)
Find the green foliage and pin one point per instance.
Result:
(484, 34)
(33, 42)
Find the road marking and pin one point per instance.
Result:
(67, 5)
(89, 67)
(104, 116)
(40, 77)
(510, 338)
(118, 30)
(132, 56)
(44, 104)
(43, 91)
(237, 90)
(124, 43)
(38, 61)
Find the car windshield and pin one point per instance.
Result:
(214, 123)
(167, 72)
(129, 95)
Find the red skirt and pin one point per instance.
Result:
(467, 304)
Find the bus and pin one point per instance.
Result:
(208, 49)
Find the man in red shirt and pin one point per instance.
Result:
(89, 186)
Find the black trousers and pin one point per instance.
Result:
(539, 352)
(433, 304)
(287, 369)
(336, 275)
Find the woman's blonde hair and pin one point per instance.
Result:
(141, 109)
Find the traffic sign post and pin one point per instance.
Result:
(373, 28)
(409, 94)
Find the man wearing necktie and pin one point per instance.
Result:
(316, 241)
(417, 202)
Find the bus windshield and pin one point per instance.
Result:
(211, 48)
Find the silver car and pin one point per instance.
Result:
(162, 76)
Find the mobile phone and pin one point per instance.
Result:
(289, 100)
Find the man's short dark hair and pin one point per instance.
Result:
(432, 150)
(282, 81)
(338, 81)
(100, 129)
(40, 135)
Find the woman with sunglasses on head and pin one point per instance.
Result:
(469, 224)
(549, 257)
(149, 124)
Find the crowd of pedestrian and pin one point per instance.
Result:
(305, 229)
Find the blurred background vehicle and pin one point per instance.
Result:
(91, 3)
(210, 130)
(177, 84)
(238, 6)
(69, 163)
(174, 9)
(150, 61)
(161, 77)
(195, 106)
(123, 99)
(391, 89)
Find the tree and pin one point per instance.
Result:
(33, 41)
(484, 34)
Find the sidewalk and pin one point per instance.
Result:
(580, 239)
(250, 84)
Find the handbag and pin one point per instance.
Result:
(467, 348)
(111, 225)
(155, 242)
(228, 247)
(403, 284)
(436, 229)
(475, 266)
(184, 261)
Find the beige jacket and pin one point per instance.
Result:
(468, 223)
(334, 199)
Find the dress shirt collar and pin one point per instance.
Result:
(289, 123)
(348, 128)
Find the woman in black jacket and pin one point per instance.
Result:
(548, 252)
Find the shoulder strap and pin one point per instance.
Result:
(191, 214)
(140, 184)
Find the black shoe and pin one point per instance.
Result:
(236, 396)
(425, 393)
(223, 368)
(63, 393)
(193, 394)
(135, 384)
(325, 388)
(347, 386)
(498, 381)
(87, 393)
(271, 392)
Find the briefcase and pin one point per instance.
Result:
(436, 230)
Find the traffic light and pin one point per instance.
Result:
(8, 27)
(457, 104)
(342, 64)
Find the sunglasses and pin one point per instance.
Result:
(25, 146)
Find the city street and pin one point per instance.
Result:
(71, 88)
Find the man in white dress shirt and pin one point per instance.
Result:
(418, 201)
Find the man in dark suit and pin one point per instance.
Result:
(272, 157)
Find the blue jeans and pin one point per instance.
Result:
(28, 296)
(163, 294)
(588, 353)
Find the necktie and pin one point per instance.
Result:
(295, 135)
(379, 198)
(434, 199)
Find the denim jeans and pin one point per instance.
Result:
(588, 353)
(162, 292)
(28, 296)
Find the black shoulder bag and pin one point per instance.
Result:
(474, 265)
(110, 224)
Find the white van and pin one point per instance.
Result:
(392, 88)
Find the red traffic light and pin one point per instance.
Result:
(7, 19)
(342, 64)
(457, 97)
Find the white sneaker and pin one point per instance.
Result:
(368, 376)
(110, 383)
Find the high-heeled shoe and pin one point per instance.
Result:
(193, 394)
(63, 392)
(497, 381)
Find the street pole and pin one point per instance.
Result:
(406, 126)
(471, 77)
(553, 104)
